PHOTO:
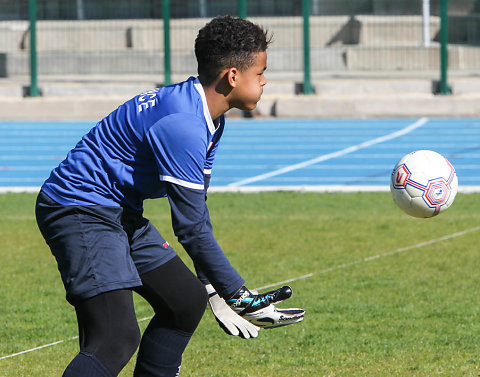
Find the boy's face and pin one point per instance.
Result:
(250, 84)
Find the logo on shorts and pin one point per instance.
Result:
(165, 245)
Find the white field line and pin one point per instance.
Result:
(364, 260)
(402, 250)
(465, 189)
(375, 257)
(284, 282)
(420, 122)
(38, 348)
(54, 343)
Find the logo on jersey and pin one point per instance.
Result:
(147, 100)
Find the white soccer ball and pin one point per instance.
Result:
(423, 183)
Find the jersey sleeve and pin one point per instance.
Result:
(179, 145)
(192, 226)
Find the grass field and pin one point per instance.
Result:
(389, 295)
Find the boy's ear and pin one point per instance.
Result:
(232, 78)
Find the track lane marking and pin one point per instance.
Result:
(420, 122)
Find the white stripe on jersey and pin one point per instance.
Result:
(206, 112)
(181, 182)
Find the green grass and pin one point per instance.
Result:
(411, 313)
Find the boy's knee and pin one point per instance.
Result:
(127, 342)
(116, 348)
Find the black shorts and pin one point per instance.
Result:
(99, 248)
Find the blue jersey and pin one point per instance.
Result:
(163, 135)
(160, 143)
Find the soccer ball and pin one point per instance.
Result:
(423, 183)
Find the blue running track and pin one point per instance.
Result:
(317, 155)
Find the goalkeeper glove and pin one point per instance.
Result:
(259, 309)
(228, 320)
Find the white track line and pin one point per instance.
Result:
(19, 189)
(329, 156)
(364, 260)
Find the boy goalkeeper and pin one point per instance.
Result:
(161, 143)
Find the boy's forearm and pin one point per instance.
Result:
(191, 224)
(212, 264)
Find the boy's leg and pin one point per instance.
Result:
(109, 335)
(179, 300)
(93, 255)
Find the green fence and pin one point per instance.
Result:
(311, 37)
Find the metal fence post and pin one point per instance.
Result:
(32, 15)
(444, 88)
(166, 42)
(242, 8)
(307, 83)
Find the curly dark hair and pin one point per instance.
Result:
(226, 42)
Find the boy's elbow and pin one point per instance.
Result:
(189, 233)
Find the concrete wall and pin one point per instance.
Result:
(337, 43)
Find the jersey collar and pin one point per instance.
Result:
(206, 113)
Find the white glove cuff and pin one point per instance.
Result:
(210, 290)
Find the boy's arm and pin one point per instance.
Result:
(191, 224)
(179, 145)
(180, 153)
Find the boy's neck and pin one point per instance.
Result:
(217, 95)
(217, 103)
